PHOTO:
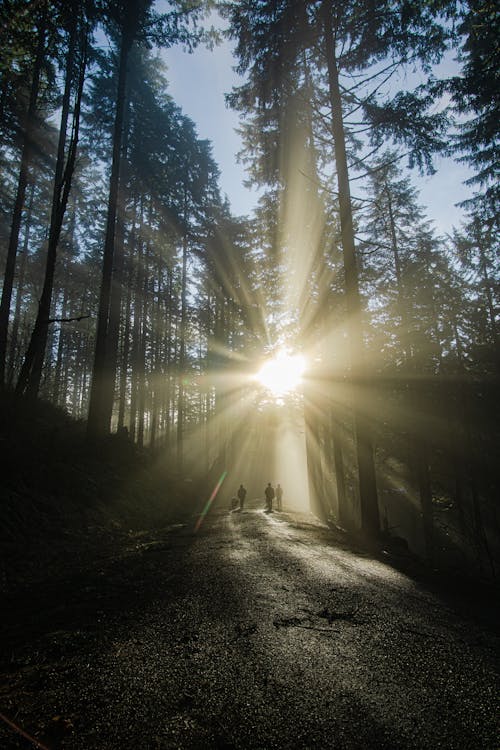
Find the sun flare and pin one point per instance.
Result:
(282, 374)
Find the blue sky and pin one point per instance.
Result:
(198, 82)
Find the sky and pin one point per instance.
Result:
(198, 83)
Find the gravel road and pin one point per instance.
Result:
(259, 631)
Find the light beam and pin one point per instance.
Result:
(282, 374)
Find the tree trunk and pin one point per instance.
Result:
(122, 397)
(370, 522)
(26, 156)
(141, 425)
(15, 353)
(313, 460)
(168, 365)
(136, 335)
(156, 346)
(338, 462)
(60, 348)
(99, 406)
(418, 441)
(31, 371)
(182, 360)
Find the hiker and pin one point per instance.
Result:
(242, 493)
(279, 496)
(269, 493)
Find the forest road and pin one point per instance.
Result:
(258, 631)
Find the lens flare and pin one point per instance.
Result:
(210, 500)
(282, 374)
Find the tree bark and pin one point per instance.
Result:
(142, 400)
(15, 353)
(60, 350)
(136, 331)
(370, 521)
(26, 157)
(122, 396)
(182, 359)
(99, 408)
(418, 441)
(31, 371)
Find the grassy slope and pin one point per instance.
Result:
(63, 502)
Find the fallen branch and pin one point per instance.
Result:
(24, 734)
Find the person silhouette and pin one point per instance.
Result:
(269, 493)
(279, 496)
(242, 493)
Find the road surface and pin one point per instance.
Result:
(258, 631)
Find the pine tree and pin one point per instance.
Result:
(475, 96)
(341, 42)
(28, 124)
(135, 21)
(31, 371)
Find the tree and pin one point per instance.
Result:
(135, 21)
(477, 248)
(344, 43)
(131, 18)
(31, 371)
(28, 125)
(475, 97)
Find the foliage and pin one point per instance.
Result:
(378, 302)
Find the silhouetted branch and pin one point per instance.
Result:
(66, 320)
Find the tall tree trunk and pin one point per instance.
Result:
(136, 328)
(156, 347)
(336, 431)
(182, 359)
(15, 354)
(168, 365)
(62, 342)
(122, 397)
(418, 442)
(31, 371)
(220, 409)
(126, 347)
(370, 521)
(26, 156)
(60, 350)
(141, 425)
(313, 455)
(99, 407)
(113, 332)
(456, 403)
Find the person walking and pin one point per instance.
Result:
(269, 493)
(242, 493)
(279, 496)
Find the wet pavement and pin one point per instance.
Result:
(259, 631)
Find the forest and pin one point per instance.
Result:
(137, 309)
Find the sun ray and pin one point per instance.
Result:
(282, 374)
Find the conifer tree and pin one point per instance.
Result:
(352, 41)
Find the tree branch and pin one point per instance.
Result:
(66, 320)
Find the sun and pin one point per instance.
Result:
(282, 374)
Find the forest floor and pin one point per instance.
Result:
(258, 631)
(67, 504)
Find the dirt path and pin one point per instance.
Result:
(257, 632)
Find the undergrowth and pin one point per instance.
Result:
(61, 494)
